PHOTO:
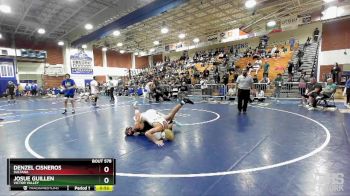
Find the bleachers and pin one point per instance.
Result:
(201, 68)
(277, 65)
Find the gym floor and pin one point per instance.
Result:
(275, 149)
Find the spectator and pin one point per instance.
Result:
(278, 85)
(266, 68)
(255, 79)
(300, 54)
(290, 67)
(307, 43)
(27, 90)
(314, 90)
(265, 80)
(302, 87)
(204, 87)
(335, 73)
(232, 91)
(249, 68)
(264, 83)
(347, 93)
(217, 77)
(206, 73)
(273, 51)
(34, 89)
(244, 83)
(292, 43)
(225, 78)
(257, 65)
(260, 96)
(316, 34)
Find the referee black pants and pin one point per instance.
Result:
(243, 98)
(111, 93)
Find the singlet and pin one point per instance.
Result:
(152, 116)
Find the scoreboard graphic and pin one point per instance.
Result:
(97, 174)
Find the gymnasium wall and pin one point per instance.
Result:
(335, 46)
(54, 52)
(98, 61)
(52, 81)
(115, 59)
(157, 58)
(141, 62)
(336, 35)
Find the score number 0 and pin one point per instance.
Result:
(106, 179)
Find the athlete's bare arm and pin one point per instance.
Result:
(150, 136)
(138, 121)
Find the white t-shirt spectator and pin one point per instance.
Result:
(204, 84)
(273, 50)
(94, 87)
(257, 64)
(231, 92)
(260, 94)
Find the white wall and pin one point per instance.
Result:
(333, 56)
(30, 71)
(30, 68)
(110, 71)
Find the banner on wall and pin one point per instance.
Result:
(81, 63)
(291, 22)
(230, 35)
(55, 70)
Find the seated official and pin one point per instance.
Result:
(328, 90)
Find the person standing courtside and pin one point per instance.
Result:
(69, 90)
(244, 84)
(94, 87)
(111, 84)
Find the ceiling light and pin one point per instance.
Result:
(89, 26)
(152, 50)
(195, 40)
(271, 23)
(84, 46)
(60, 43)
(0, 36)
(104, 49)
(41, 31)
(156, 43)
(122, 51)
(119, 44)
(5, 9)
(164, 30)
(116, 33)
(182, 35)
(250, 3)
(328, 1)
(136, 53)
(142, 53)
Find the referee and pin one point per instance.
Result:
(244, 84)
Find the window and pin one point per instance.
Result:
(6, 70)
